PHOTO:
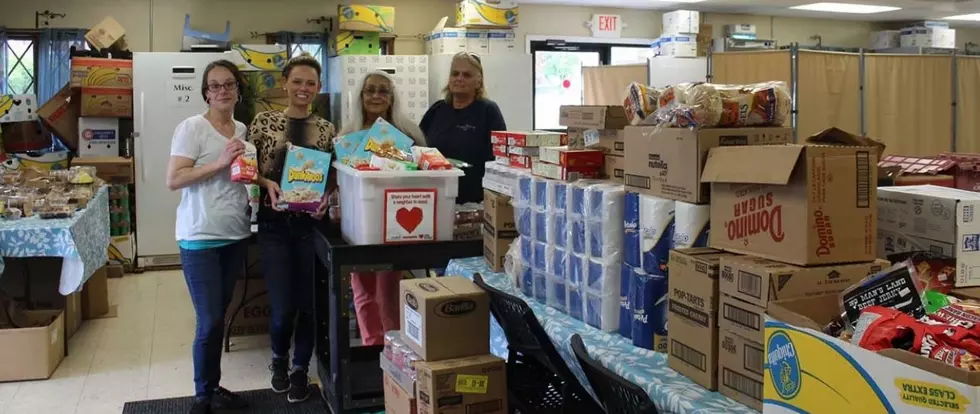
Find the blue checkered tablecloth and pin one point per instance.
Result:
(82, 241)
(672, 392)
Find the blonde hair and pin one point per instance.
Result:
(355, 121)
(472, 59)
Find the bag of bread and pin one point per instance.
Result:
(761, 104)
(641, 102)
(676, 94)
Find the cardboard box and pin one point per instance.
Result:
(533, 139)
(23, 137)
(477, 41)
(445, 318)
(503, 41)
(487, 13)
(495, 249)
(33, 353)
(73, 314)
(572, 158)
(932, 218)
(742, 318)
(95, 295)
(614, 168)
(886, 39)
(401, 378)
(107, 102)
(254, 318)
(89, 72)
(60, 114)
(98, 137)
(18, 108)
(115, 170)
(705, 35)
(759, 281)
(668, 162)
(366, 18)
(693, 314)
(679, 45)
(397, 399)
(461, 386)
(681, 21)
(258, 57)
(122, 249)
(498, 215)
(524, 151)
(355, 43)
(593, 117)
(104, 34)
(843, 378)
(557, 172)
(520, 161)
(468, 231)
(740, 369)
(612, 141)
(115, 271)
(802, 204)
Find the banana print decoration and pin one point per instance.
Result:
(259, 57)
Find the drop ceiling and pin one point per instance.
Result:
(911, 9)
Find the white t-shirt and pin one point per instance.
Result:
(214, 208)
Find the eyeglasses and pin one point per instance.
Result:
(215, 87)
(380, 91)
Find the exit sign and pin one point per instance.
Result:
(607, 25)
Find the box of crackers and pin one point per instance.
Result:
(304, 178)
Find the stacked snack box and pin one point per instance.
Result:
(361, 27)
(442, 351)
(524, 147)
(598, 128)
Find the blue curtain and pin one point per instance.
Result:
(54, 59)
(310, 42)
(3, 60)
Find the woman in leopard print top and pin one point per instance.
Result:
(286, 238)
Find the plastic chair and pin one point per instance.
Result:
(538, 379)
(616, 393)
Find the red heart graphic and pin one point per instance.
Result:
(409, 219)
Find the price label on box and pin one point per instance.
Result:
(409, 215)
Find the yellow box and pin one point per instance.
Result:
(486, 13)
(355, 43)
(365, 18)
(259, 57)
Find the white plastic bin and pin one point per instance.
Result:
(391, 207)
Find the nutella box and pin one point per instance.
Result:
(566, 157)
(803, 204)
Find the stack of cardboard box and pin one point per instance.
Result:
(446, 323)
(499, 228)
(361, 27)
(599, 128)
(522, 147)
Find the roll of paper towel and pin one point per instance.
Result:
(557, 195)
(540, 286)
(631, 229)
(557, 294)
(605, 239)
(558, 228)
(527, 249)
(577, 266)
(576, 196)
(524, 190)
(539, 192)
(649, 302)
(602, 200)
(602, 295)
(603, 277)
(540, 256)
(523, 216)
(575, 298)
(656, 233)
(691, 222)
(526, 280)
(576, 234)
(625, 313)
(539, 220)
(557, 261)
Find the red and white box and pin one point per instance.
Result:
(558, 172)
(499, 137)
(572, 158)
(499, 150)
(535, 139)
(521, 161)
(524, 151)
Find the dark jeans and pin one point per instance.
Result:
(211, 275)
(288, 262)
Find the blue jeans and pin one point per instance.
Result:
(288, 262)
(211, 275)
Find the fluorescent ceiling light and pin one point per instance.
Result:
(970, 17)
(846, 8)
(677, 1)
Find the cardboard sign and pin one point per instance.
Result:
(409, 215)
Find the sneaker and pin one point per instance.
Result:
(300, 386)
(280, 375)
(201, 407)
(225, 400)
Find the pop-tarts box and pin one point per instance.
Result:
(304, 178)
(18, 108)
(382, 137)
(344, 146)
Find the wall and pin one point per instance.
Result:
(413, 18)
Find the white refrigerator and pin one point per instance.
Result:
(166, 90)
(410, 73)
(507, 77)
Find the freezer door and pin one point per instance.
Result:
(166, 90)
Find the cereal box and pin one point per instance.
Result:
(345, 146)
(382, 139)
(304, 178)
(245, 168)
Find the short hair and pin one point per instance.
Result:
(472, 59)
(227, 64)
(304, 59)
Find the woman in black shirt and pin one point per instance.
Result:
(459, 126)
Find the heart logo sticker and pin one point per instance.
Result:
(409, 219)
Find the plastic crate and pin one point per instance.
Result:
(391, 207)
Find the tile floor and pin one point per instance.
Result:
(144, 353)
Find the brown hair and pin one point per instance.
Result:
(472, 59)
(227, 64)
(304, 59)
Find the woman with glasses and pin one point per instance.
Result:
(376, 294)
(212, 223)
(459, 125)
(286, 238)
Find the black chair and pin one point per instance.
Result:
(615, 392)
(538, 379)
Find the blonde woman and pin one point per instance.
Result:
(376, 293)
(459, 126)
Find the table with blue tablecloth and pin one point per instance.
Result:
(672, 392)
(82, 241)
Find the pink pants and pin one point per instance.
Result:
(376, 304)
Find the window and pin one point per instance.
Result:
(20, 55)
(558, 73)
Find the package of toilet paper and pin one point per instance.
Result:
(602, 294)
(558, 228)
(539, 222)
(625, 313)
(523, 220)
(631, 229)
(576, 196)
(524, 191)
(604, 238)
(604, 200)
(539, 192)
(691, 222)
(557, 195)
(656, 233)
(648, 299)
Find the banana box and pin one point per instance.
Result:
(347, 42)
(258, 57)
(487, 13)
(365, 18)
(100, 72)
(808, 371)
(107, 102)
(18, 108)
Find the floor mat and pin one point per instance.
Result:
(260, 401)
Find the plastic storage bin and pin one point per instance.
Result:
(386, 207)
